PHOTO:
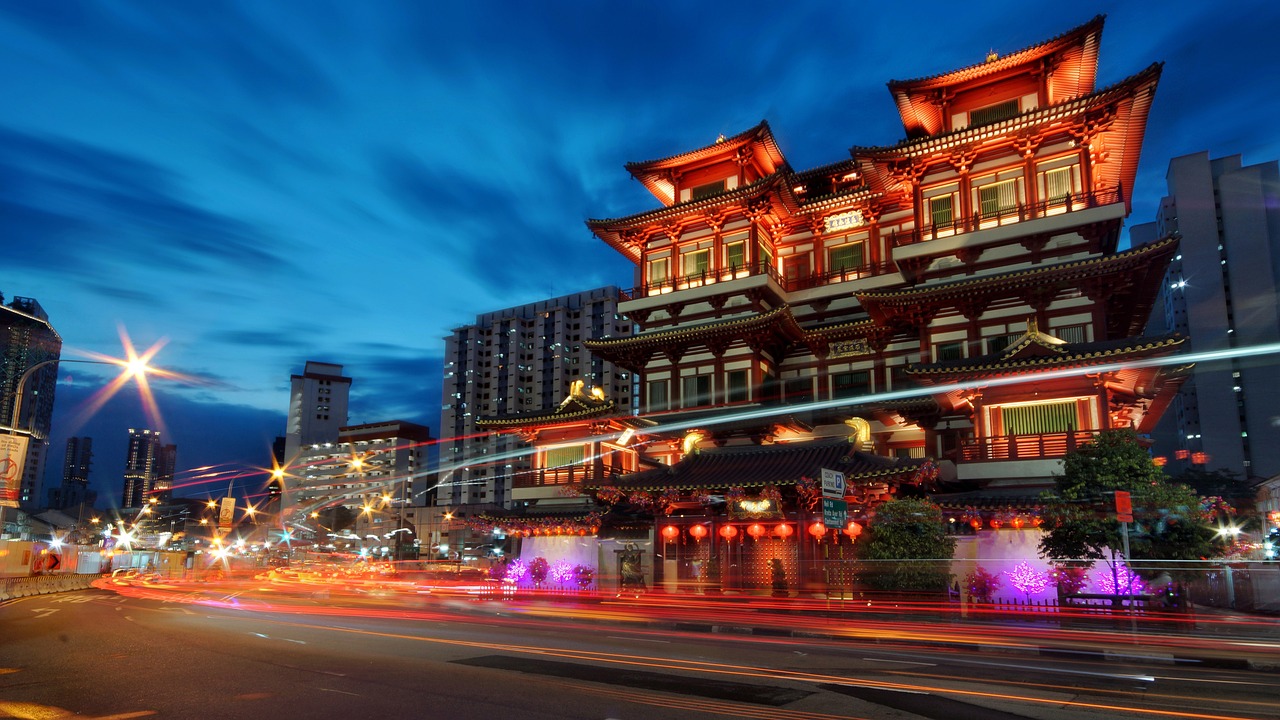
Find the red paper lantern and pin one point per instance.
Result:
(1200, 458)
(1159, 461)
(670, 532)
(818, 529)
(995, 523)
(976, 524)
(698, 532)
(1017, 522)
(783, 531)
(853, 529)
(756, 531)
(1036, 521)
(728, 532)
(1182, 454)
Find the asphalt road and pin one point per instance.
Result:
(253, 651)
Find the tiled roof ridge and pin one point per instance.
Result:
(952, 137)
(1114, 258)
(1011, 59)
(741, 138)
(1083, 356)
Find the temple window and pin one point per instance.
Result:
(706, 190)
(695, 390)
(948, 351)
(1038, 418)
(659, 271)
(735, 255)
(1070, 333)
(658, 395)
(558, 457)
(993, 113)
(996, 199)
(766, 257)
(942, 212)
(799, 390)
(738, 386)
(845, 258)
(696, 262)
(1057, 184)
(1000, 342)
(851, 384)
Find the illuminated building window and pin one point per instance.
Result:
(1039, 418)
(997, 198)
(942, 211)
(659, 271)
(993, 113)
(1057, 184)
(696, 262)
(845, 257)
(735, 255)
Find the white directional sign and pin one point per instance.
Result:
(832, 484)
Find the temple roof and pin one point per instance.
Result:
(779, 464)
(1132, 277)
(632, 351)
(576, 407)
(757, 141)
(1071, 75)
(1037, 351)
(1119, 110)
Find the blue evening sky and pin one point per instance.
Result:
(263, 183)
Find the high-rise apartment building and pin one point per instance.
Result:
(27, 339)
(519, 360)
(141, 465)
(166, 468)
(371, 469)
(1220, 292)
(76, 465)
(317, 406)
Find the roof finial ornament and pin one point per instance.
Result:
(1033, 327)
(720, 138)
(992, 56)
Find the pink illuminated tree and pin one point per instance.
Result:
(1120, 581)
(1028, 579)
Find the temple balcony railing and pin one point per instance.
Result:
(1023, 447)
(788, 282)
(1009, 215)
(566, 475)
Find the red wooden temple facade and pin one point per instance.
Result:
(959, 296)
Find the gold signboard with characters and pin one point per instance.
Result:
(754, 509)
(849, 348)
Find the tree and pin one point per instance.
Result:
(1080, 523)
(906, 547)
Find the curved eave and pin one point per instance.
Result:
(1131, 97)
(997, 368)
(1076, 73)
(515, 421)
(652, 173)
(780, 316)
(1074, 269)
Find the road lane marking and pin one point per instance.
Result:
(42, 613)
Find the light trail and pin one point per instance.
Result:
(772, 674)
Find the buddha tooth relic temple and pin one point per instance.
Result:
(945, 317)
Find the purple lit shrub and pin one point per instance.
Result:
(1070, 580)
(538, 569)
(562, 572)
(584, 576)
(517, 571)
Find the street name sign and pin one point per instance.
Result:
(835, 513)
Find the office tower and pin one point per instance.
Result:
(27, 340)
(166, 467)
(1220, 292)
(317, 406)
(74, 489)
(519, 360)
(141, 464)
